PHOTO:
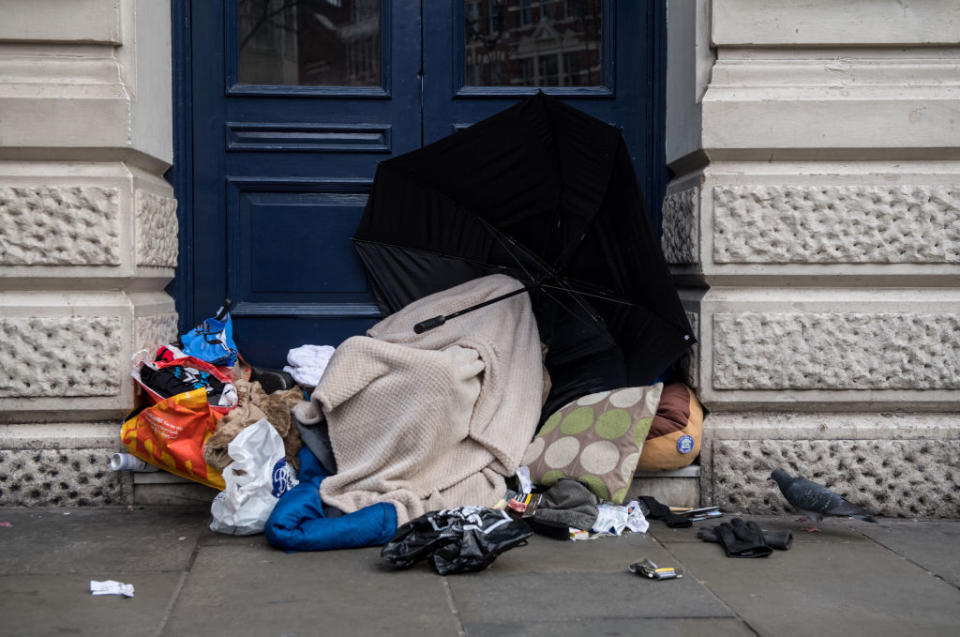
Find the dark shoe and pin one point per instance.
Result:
(271, 379)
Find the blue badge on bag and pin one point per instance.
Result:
(282, 476)
(685, 444)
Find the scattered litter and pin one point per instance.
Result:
(129, 462)
(523, 476)
(67, 513)
(636, 518)
(5, 524)
(646, 568)
(611, 519)
(703, 513)
(111, 587)
(579, 534)
(182, 538)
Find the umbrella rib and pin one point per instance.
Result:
(504, 241)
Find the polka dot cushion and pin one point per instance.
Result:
(596, 439)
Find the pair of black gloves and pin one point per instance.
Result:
(745, 539)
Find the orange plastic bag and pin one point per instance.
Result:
(171, 435)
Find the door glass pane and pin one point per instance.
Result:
(533, 42)
(308, 42)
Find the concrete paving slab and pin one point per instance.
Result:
(833, 529)
(563, 597)
(258, 590)
(933, 544)
(97, 541)
(605, 554)
(827, 588)
(660, 627)
(63, 604)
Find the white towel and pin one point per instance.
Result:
(308, 362)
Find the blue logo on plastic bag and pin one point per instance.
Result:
(685, 444)
(282, 478)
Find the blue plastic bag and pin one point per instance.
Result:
(212, 341)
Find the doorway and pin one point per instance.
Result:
(283, 108)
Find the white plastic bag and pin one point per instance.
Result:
(255, 480)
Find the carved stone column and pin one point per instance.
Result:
(815, 223)
(88, 238)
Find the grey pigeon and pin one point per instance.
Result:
(816, 501)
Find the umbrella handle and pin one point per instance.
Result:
(437, 321)
(429, 324)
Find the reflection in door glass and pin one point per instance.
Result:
(308, 42)
(533, 42)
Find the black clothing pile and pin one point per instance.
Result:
(177, 379)
(458, 540)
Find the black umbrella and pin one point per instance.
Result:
(545, 193)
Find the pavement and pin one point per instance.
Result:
(896, 577)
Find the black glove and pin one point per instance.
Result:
(738, 538)
(780, 539)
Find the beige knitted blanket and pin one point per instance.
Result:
(434, 420)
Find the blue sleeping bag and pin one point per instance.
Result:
(298, 523)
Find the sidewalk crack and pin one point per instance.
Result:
(453, 608)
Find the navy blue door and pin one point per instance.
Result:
(601, 56)
(295, 101)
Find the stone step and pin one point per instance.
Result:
(162, 488)
(679, 488)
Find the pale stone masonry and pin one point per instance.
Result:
(814, 224)
(88, 238)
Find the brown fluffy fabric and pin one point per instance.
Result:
(253, 405)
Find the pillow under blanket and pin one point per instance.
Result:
(596, 439)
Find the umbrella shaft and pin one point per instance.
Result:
(436, 321)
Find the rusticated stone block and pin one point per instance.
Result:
(156, 329)
(836, 224)
(772, 351)
(61, 477)
(680, 235)
(911, 478)
(60, 356)
(59, 225)
(156, 229)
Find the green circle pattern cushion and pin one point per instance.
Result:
(596, 439)
(577, 421)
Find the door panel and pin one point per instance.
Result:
(294, 105)
(295, 101)
(480, 56)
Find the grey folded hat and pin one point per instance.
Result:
(568, 502)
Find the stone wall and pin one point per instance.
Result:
(814, 224)
(88, 240)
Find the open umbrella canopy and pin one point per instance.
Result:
(547, 194)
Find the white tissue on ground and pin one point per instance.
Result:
(308, 362)
(111, 587)
(613, 519)
(636, 521)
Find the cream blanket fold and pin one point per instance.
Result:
(434, 420)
